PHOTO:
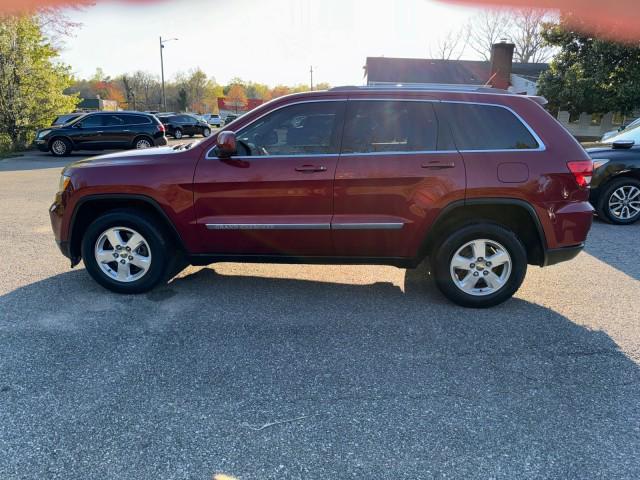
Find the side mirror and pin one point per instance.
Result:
(226, 144)
(623, 144)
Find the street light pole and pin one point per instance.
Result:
(164, 96)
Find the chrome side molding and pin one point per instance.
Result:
(307, 226)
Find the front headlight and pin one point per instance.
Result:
(43, 133)
(65, 181)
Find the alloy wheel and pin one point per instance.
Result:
(480, 267)
(59, 147)
(143, 143)
(624, 202)
(122, 254)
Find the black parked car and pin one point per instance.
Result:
(182, 124)
(615, 186)
(102, 131)
(66, 118)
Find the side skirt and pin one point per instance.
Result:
(206, 259)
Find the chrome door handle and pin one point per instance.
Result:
(311, 168)
(437, 164)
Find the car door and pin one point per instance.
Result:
(117, 131)
(189, 124)
(396, 171)
(87, 132)
(275, 196)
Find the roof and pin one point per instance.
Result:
(421, 70)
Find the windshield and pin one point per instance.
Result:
(631, 133)
(73, 120)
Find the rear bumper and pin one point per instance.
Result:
(559, 255)
(161, 142)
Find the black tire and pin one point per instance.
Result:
(602, 207)
(60, 147)
(177, 133)
(142, 137)
(443, 254)
(206, 132)
(157, 240)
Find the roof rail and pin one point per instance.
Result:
(424, 86)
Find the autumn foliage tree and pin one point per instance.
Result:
(32, 81)
(237, 97)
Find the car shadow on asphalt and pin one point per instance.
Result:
(616, 245)
(189, 379)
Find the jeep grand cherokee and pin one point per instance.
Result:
(480, 181)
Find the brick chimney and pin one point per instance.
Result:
(501, 61)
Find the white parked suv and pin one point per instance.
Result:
(213, 119)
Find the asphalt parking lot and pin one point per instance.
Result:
(310, 372)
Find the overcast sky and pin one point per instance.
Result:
(271, 42)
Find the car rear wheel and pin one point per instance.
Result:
(60, 147)
(480, 265)
(142, 142)
(620, 202)
(125, 251)
(177, 134)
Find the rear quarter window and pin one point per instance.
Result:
(487, 127)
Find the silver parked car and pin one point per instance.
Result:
(611, 133)
(213, 119)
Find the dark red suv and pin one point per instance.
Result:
(480, 181)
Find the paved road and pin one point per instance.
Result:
(371, 372)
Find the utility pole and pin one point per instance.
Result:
(311, 73)
(164, 97)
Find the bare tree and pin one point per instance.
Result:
(487, 28)
(451, 45)
(56, 25)
(522, 27)
(526, 34)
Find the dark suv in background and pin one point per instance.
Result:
(182, 124)
(480, 181)
(102, 131)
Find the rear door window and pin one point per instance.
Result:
(137, 119)
(389, 126)
(115, 120)
(486, 127)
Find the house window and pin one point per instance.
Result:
(617, 119)
(596, 119)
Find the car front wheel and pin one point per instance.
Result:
(620, 202)
(60, 147)
(206, 132)
(480, 265)
(177, 134)
(125, 251)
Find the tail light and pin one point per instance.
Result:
(582, 171)
(161, 128)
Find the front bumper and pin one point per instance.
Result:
(41, 144)
(56, 211)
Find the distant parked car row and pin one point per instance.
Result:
(115, 130)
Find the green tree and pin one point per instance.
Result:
(183, 100)
(590, 74)
(31, 81)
